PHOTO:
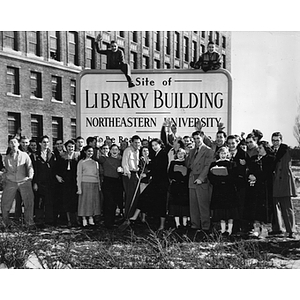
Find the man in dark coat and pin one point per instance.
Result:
(283, 186)
(239, 159)
(43, 183)
(210, 60)
(115, 59)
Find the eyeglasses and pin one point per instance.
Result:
(273, 140)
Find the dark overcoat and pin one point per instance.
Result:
(283, 179)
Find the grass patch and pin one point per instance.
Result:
(102, 249)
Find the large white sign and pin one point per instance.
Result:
(107, 107)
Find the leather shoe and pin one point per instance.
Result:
(275, 232)
(131, 84)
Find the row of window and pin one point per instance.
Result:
(11, 40)
(13, 84)
(212, 36)
(157, 63)
(177, 52)
(14, 122)
(157, 46)
(34, 45)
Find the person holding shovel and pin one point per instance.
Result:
(153, 200)
(130, 165)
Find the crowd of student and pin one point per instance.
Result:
(233, 183)
(240, 183)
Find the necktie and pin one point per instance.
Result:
(196, 152)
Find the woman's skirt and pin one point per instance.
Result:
(89, 200)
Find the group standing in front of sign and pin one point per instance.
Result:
(239, 183)
(232, 183)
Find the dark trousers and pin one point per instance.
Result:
(130, 185)
(125, 68)
(241, 224)
(284, 211)
(57, 200)
(113, 196)
(44, 208)
(18, 205)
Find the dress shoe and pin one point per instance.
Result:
(131, 84)
(291, 235)
(275, 232)
(254, 234)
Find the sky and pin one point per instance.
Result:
(266, 76)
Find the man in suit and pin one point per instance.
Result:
(283, 187)
(198, 161)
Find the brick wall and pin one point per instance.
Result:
(26, 105)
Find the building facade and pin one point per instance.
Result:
(39, 70)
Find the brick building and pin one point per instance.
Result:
(39, 69)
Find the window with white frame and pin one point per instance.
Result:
(146, 62)
(186, 48)
(56, 83)
(36, 126)
(36, 84)
(13, 123)
(34, 42)
(73, 90)
(54, 37)
(73, 47)
(133, 60)
(13, 82)
(156, 39)
(177, 44)
(194, 51)
(57, 129)
(168, 42)
(89, 53)
(11, 39)
(146, 38)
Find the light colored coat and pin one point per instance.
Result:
(200, 194)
